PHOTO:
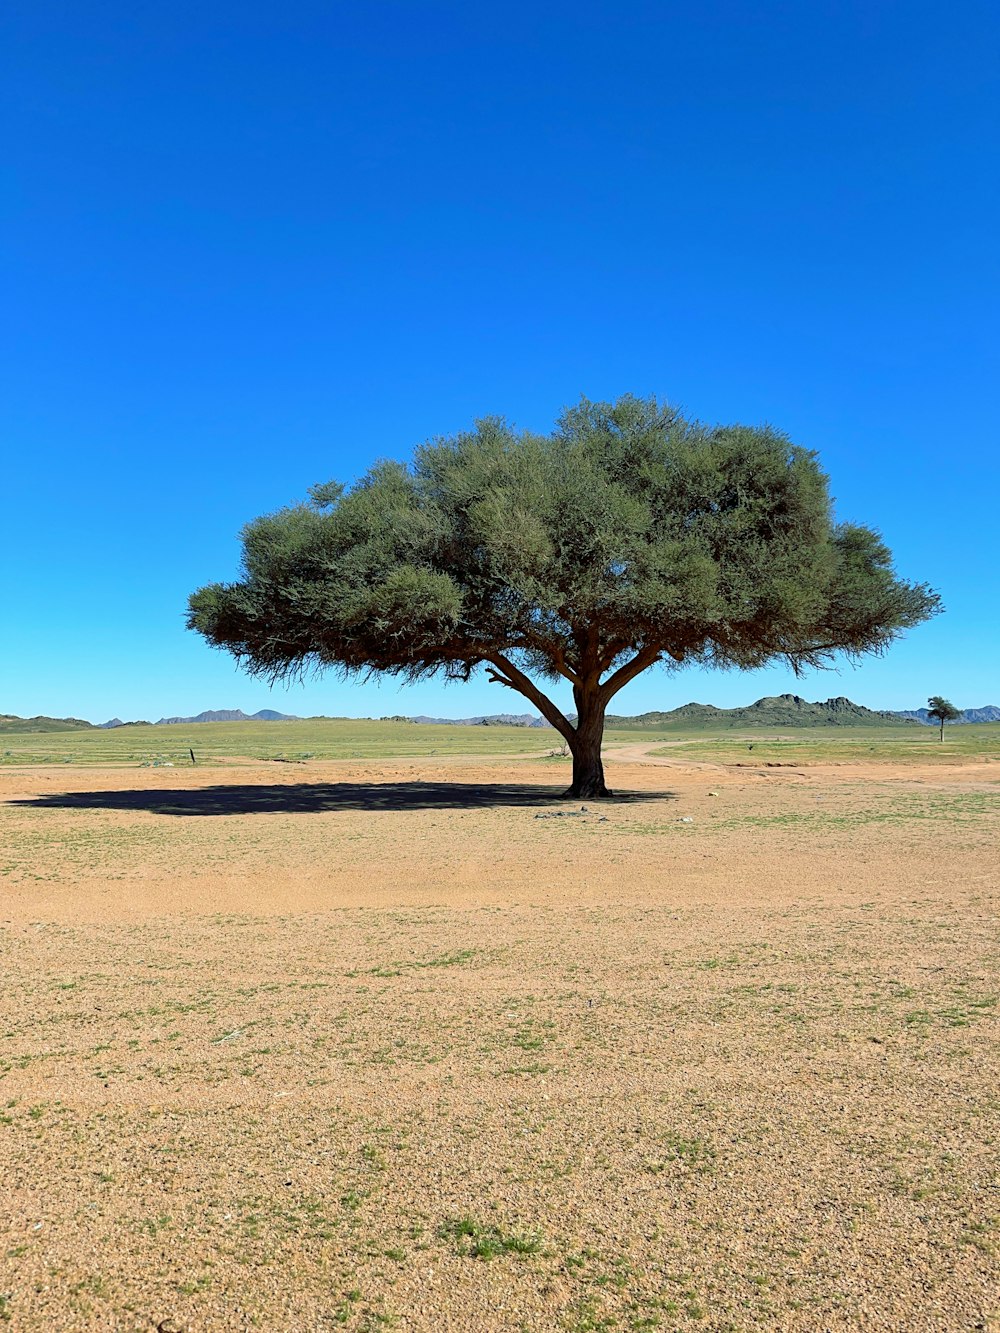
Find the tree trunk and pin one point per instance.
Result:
(941, 737)
(585, 746)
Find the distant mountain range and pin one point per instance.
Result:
(783, 710)
(789, 710)
(484, 720)
(989, 713)
(222, 715)
(11, 724)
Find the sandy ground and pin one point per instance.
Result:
(413, 1045)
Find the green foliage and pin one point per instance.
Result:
(942, 710)
(486, 1242)
(626, 537)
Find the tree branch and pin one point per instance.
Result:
(549, 649)
(643, 659)
(506, 673)
(611, 651)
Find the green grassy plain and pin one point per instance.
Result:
(344, 738)
(898, 745)
(320, 738)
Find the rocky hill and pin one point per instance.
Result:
(782, 710)
(12, 725)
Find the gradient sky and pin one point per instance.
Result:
(251, 247)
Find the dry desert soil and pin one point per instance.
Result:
(412, 1044)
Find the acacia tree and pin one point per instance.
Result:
(627, 537)
(941, 710)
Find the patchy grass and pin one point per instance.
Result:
(479, 1241)
(295, 742)
(742, 1079)
(301, 742)
(905, 744)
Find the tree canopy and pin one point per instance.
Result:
(627, 537)
(942, 710)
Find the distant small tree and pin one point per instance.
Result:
(941, 710)
(628, 537)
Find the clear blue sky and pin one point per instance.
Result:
(249, 247)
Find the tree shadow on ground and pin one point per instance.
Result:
(326, 797)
